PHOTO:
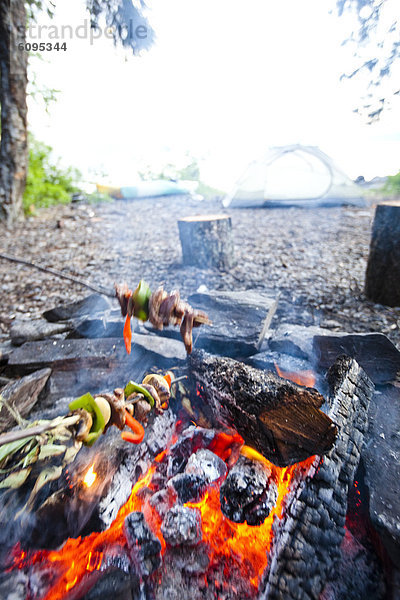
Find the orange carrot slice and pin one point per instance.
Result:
(167, 378)
(137, 434)
(128, 334)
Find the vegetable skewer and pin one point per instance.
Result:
(161, 309)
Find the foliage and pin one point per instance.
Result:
(377, 50)
(125, 19)
(46, 182)
(392, 186)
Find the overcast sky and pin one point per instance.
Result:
(225, 80)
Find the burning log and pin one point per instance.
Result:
(307, 546)
(281, 420)
(207, 241)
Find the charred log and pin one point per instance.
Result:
(307, 546)
(281, 420)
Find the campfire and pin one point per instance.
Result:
(235, 484)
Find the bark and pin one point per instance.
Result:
(280, 419)
(13, 147)
(206, 241)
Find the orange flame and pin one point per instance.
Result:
(250, 545)
(247, 545)
(305, 378)
(90, 477)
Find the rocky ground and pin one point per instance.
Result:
(313, 259)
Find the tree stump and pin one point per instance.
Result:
(207, 241)
(382, 283)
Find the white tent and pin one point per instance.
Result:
(294, 175)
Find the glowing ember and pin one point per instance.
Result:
(90, 477)
(304, 378)
(247, 546)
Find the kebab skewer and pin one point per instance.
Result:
(89, 417)
(161, 309)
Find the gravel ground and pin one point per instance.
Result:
(313, 259)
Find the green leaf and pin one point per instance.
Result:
(71, 452)
(16, 479)
(50, 450)
(47, 475)
(7, 449)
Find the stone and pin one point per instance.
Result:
(38, 329)
(295, 340)
(240, 321)
(92, 304)
(81, 365)
(22, 395)
(382, 281)
(374, 352)
(182, 525)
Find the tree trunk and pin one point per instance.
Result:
(382, 282)
(13, 147)
(207, 241)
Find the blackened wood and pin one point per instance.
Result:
(382, 283)
(22, 395)
(306, 547)
(207, 241)
(280, 419)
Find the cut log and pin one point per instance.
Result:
(207, 241)
(382, 283)
(281, 420)
(21, 396)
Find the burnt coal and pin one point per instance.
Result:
(193, 560)
(207, 465)
(189, 488)
(249, 492)
(191, 440)
(182, 525)
(113, 584)
(163, 500)
(144, 547)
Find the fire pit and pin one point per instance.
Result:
(193, 512)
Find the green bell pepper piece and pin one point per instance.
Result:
(141, 297)
(87, 402)
(135, 387)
